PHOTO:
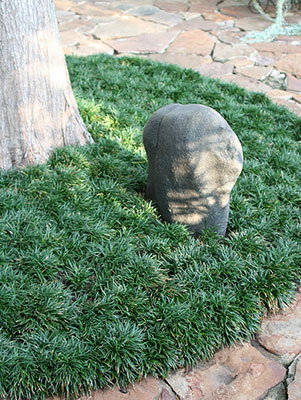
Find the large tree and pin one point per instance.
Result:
(38, 111)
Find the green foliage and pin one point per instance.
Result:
(95, 289)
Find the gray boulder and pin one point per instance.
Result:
(194, 161)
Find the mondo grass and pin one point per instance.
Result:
(95, 290)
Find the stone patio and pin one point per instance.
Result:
(189, 33)
(205, 35)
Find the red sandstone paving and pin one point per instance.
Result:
(277, 47)
(289, 38)
(63, 4)
(216, 16)
(92, 10)
(202, 5)
(236, 373)
(290, 63)
(280, 94)
(293, 83)
(230, 36)
(154, 14)
(71, 38)
(225, 52)
(215, 69)
(248, 83)
(241, 62)
(293, 18)
(256, 23)
(192, 42)
(90, 47)
(88, 25)
(281, 334)
(255, 72)
(197, 23)
(148, 43)
(171, 7)
(297, 97)
(64, 15)
(147, 389)
(183, 60)
(236, 11)
(73, 24)
(265, 59)
(126, 26)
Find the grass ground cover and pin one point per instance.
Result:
(94, 289)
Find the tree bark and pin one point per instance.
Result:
(38, 111)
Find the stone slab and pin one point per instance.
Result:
(154, 14)
(281, 334)
(276, 47)
(241, 62)
(72, 38)
(293, 18)
(255, 23)
(288, 38)
(88, 25)
(215, 69)
(171, 7)
(202, 7)
(225, 52)
(126, 26)
(64, 15)
(216, 16)
(189, 15)
(230, 36)
(88, 9)
(290, 63)
(279, 94)
(255, 72)
(69, 50)
(293, 83)
(236, 11)
(90, 47)
(297, 97)
(147, 389)
(183, 60)
(247, 83)
(63, 4)
(143, 44)
(263, 60)
(72, 24)
(197, 23)
(236, 373)
(192, 42)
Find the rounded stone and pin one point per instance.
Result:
(194, 160)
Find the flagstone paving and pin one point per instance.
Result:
(204, 35)
(200, 31)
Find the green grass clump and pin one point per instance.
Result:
(95, 289)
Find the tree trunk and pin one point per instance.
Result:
(38, 111)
